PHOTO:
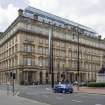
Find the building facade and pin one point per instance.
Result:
(24, 49)
(101, 75)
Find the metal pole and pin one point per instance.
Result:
(52, 71)
(78, 66)
(49, 55)
(13, 87)
(58, 73)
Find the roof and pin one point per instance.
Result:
(29, 11)
(1, 33)
(102, 70)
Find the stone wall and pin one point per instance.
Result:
(100, 78)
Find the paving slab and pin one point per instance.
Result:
(90, 90)
(15, 100)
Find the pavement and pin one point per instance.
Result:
(43, 95)
(90, 90)
(16, 100)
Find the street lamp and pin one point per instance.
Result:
(58, 74)
(63, 76)
(78, 31)
(78, 63)
(40, 73)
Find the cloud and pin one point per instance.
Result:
(16, 3)
(7, 16)
(87, 12)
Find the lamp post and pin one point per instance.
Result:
(78, 63)
(41, 73)
(63, 73)
(78, 31)
(58, 72)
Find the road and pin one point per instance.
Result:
(46, 95)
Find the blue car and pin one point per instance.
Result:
(63, 88)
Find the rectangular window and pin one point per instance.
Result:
(28, 48)
(28, 61)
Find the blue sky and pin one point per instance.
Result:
(90, 13)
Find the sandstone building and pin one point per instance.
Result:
(24, 49)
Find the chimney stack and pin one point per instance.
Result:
(20, 12)
(35, 16)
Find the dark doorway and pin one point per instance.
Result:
(41, 77)
(63, 77)
(46, 77)
(30, 77)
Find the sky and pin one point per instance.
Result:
(90, 13)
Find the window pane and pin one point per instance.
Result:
(29, 61)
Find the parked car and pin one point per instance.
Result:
(63, 88)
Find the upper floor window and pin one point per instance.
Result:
(28, 48)
(28, 61)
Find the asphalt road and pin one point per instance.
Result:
(45, 95)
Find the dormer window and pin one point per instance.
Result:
(35, 16)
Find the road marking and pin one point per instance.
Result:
(76, 101)
(47, 88)
(46, 96)
(59, 98)
(17, 93)
(98, 104)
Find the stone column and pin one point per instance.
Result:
(38, 76)
(17, 76)
(44, 77)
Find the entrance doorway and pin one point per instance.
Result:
(41, 77)
(30, 75)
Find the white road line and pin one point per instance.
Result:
(59, 98)
(45, 96)
(98, 104)
(76, 101)
(47, 88)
